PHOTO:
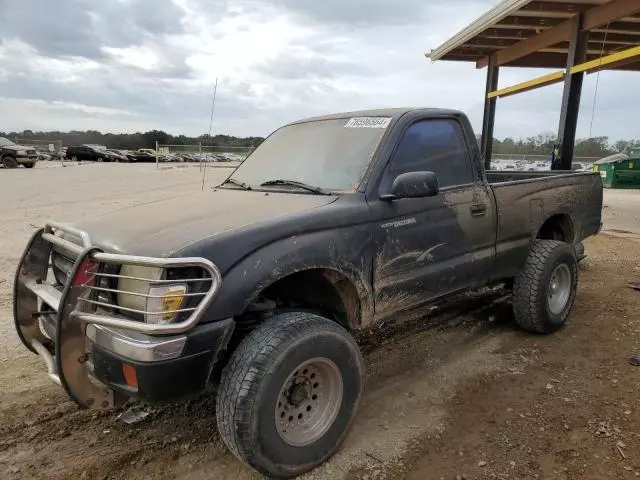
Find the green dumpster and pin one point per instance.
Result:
(619, 170)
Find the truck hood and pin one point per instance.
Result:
(162, 227)
(17, 148)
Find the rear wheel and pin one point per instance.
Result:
(289, 394)
(9, 162)
(545, 289)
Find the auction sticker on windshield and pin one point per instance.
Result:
(368, 122)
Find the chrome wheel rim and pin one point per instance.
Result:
(308, 402)
(559, 289)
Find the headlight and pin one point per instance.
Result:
(138, 291)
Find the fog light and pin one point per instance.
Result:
(165, 300)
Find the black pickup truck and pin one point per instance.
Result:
(13, 155)
(331, 226)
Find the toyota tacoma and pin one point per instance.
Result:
(331, 226)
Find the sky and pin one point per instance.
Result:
(137, 65)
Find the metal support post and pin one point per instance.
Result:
(571, 94)
(486, 143)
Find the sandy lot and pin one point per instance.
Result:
(459, 393)
(621, 212)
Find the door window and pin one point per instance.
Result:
(432, 145)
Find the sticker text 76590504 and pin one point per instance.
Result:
(368, 122)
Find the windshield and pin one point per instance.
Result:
(5, 142)
(329, 154)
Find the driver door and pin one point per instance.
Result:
(430, 247)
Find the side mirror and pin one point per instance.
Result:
(413, 185)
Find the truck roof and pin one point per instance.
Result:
(381, 112)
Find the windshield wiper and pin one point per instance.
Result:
(246, 186)
(294, 183)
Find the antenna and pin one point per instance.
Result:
(213, 105)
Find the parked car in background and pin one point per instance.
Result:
(60, 154)
(12, 155)
(173, 157)
(146, 155)
(117, 155)
(162, 157)
(95, 153)
(130, 155)
(43, 155)
(87, 153)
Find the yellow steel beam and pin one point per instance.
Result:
(538, 82)
(610, 61)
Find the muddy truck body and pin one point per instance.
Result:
(13, 155)
(331, 226)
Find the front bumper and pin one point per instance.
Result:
(166, 368)
(88, 350)
(32, 159)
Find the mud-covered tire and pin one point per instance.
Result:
(10, 162)
(253, 386)
(537, 305)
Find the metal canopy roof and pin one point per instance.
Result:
(541, 30)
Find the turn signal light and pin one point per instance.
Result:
(130, 375)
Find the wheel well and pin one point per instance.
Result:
(324, 290)
(557, 227)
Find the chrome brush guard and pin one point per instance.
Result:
(51, 317)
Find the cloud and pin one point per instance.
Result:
(366, 14)
(127, 65)
(79, 28)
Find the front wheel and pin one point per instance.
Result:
(289, 394)
(545, 289)
(10, 162)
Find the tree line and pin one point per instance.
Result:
(543, 143)
(132, 141)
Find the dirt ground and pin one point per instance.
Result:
(456, 393)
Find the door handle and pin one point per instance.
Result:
(478, 210)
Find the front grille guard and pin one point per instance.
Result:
(72, 308)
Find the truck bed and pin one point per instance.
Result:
(525, 200)
(501, 176)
